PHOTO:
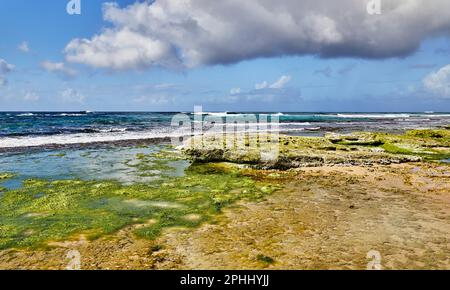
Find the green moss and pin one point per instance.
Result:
(6, 175)
(429, 154)
(45, 210)
(429, 133)
(154, 165)
(58, 155)
(395, 149)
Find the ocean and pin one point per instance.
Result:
(26, 129)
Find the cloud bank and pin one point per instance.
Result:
(189, 33)
(438, 82)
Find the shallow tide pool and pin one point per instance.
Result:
(59, 195)
(86, 164)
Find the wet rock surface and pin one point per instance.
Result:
(352, 149)
(330, 218)
(324, 218)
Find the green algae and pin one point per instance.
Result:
(429, 144)
(429, 133)
(426, 143)
(6, 175)
(164, 163)
(359, 148)
(58, 155)
(43, 211)
(391, 148)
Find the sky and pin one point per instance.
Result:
(230, 55)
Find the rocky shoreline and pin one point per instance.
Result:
(323, 204)
(332, 149)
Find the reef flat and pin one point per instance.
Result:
(329, 217)
(332, 149)
(324, 203)
(45, 211)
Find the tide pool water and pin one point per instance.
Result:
(120, 164)
(98, 192)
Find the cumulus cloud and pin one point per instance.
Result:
(4, 69)
(279, 84)
(72, 96)
(202, 32)
(438, 82)
(262, 85)
(121, 49)
(59, 68)
(24, 47)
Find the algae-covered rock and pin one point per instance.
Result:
(364, 148)
(5, 175)
(434, 134)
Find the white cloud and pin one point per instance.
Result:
(31, 96)
(119, 50)
(262, 85)
(58, 67)
(172, 33)
(24, 47)
(72, 96)
(279, 84)
(438, 82)
(264, 92)
(235, 91)
(5, 67)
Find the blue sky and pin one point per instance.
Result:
(38, 72)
